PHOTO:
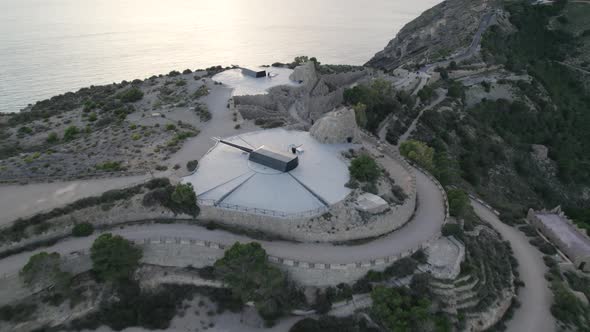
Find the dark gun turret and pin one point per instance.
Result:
(279, 161)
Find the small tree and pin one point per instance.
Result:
(44, 269)
(130, 95)
(299, 60)
(114, 258)
(457, 90)
(426, 94)
(397, 310)
(452, 230)
(364, 169)
(458, 202)
(185, 199)
(82, 229)
(245, 269)
(419, 153)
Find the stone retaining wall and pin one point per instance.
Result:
(183, 252)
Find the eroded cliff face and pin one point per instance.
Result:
(444, 30)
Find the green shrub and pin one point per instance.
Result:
(364, 169)
(191, 166)
(25, 130)
(453, 230)
(71, 132)
(418, 152)
(52, 138)
(456, 90)
(458, 202)
(44, 269)
(82, 229)
(114, 258)
(179, 199)
(110, 166)
(92, 116)
(148, 309)
(202, 91)
(396, 310)
(360, 113)
(130, 95)
(17, 313)
(203, 112)
(246, 270)
(426, 94)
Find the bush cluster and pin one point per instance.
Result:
(130, 95)
(82, 229)
(249, 275)
(364, 169)
(179, 199)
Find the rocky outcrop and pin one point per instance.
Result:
(438, 33)
(370, 203)
(336, 127)
(305, 73)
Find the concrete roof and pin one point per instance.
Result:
(246, 85)
(227, 178)
(561, 228)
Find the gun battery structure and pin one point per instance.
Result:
(276, 160)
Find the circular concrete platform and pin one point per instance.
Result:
(227, 179)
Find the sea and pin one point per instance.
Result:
(49, 47)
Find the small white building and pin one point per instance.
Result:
(564, 234)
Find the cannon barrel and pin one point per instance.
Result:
(245, 149)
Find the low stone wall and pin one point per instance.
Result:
(184, 252)
(181, 252)
(335, 228)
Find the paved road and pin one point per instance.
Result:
(485, 23)
(534, 314)
(442, 94)
(426, 223)
(25, 200)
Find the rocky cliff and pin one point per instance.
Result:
(438, 33)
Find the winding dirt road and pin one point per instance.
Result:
(534, 314)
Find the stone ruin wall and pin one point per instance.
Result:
(335, 228)
(313, 100)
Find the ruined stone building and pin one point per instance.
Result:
(564, 234)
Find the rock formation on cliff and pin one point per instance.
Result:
(438, 33)
(336, 127)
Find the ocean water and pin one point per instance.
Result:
(48, 47)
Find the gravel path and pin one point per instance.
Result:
(534, 314)
(17, 201)
(426, 223)
(442, 95)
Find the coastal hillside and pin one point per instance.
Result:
(513, 126)
(438, 33)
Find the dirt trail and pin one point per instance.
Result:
(534, 314)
